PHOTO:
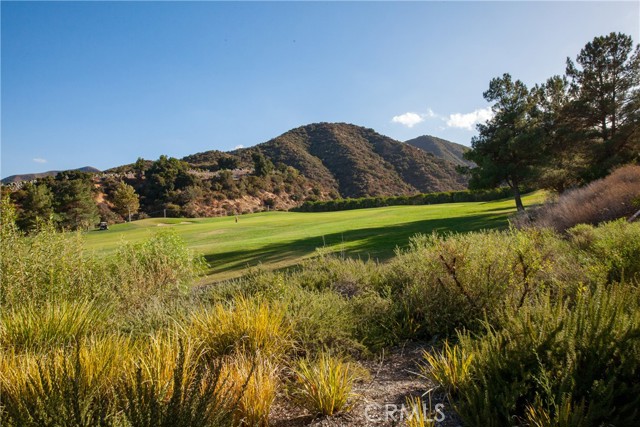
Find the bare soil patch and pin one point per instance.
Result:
(395, 376)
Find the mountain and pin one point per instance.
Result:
(32, 176)
(350, 160)
(442, 148)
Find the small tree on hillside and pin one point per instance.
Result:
(261, 164)
(508, 146)
(125, 200)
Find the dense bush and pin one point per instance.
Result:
(51, 267)
(445, 283)
(607, 199)
(553, 363)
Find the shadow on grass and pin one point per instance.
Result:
(376, 243)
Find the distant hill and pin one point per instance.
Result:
(32, 176)
(351, 160)
(442, 148)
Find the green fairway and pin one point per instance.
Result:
(282, 239)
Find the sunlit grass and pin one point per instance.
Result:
(282, 239)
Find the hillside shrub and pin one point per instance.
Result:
(603, 200)
(159, 267)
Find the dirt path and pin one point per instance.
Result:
(394, 377)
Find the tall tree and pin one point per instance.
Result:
(163, 180)
(36, 206)
(508, 146)
(74, 200)
(125, 200)
(565, 155)
(605, 86)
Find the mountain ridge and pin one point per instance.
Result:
(442, 148)
(31, 176)
(340, 160)
(350, 160)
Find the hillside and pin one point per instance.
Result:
(351, 160)
(441, 148)
(32, 176)
(316, 162)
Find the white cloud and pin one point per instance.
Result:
(469, 120)
(39, 160)
(239, 146)
(408, 119)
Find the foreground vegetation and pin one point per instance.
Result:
(540, 329)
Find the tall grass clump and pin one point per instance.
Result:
(33, 327)
(324, 385)
(421, 413)
(252, 381)
(184, 393)
(554, 363)
(70, 386)
(449, 367)
(246, 325)
(613, 197)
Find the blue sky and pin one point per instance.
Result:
(103, 83)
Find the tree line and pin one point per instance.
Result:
(75, 200)
(413, 200)
(567, 131)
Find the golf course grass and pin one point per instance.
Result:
(282, 239)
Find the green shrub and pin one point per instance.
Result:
(322, 320)
(418, 199)
(556, 363)
(614, 246)
(47, 265)
(441, 284)
(158, 268)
